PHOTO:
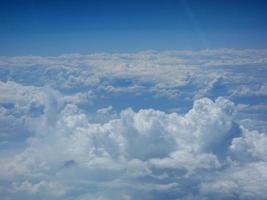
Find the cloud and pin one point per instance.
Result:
(140, 152)
(44, 187)
(238, 182)
(164, 70)
(102, 126)
(252, 146)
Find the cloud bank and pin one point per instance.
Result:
(63, 135)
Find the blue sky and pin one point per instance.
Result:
(129, 100)
(57, 27)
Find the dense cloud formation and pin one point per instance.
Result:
(67, 133)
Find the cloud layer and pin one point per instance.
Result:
(101, 126)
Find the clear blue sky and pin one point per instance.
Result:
(56, 27)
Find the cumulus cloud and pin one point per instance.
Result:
(144, 151)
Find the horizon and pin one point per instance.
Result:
(58, 27)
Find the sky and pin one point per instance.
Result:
(129, 100)
(36, 27)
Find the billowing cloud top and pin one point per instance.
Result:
(148, 125)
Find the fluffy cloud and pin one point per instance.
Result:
(140, 152)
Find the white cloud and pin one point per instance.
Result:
(145, 145)
(78, 141)
(251, 146)
(240, 182)
(164, 70)
(51, 188)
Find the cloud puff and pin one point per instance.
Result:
(23, 107)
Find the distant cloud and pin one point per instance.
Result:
(166, 71)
